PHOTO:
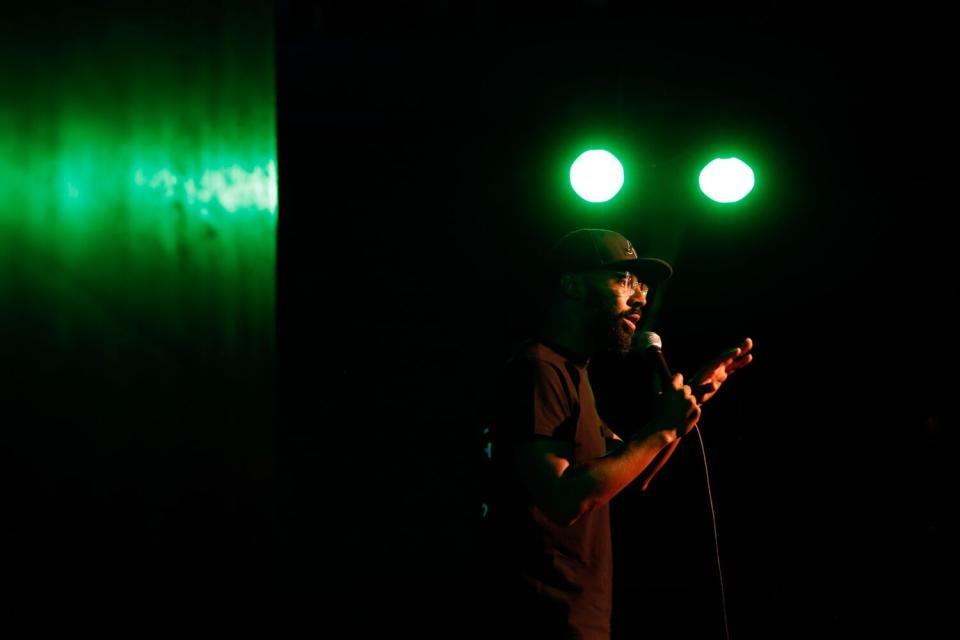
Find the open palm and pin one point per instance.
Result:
(712, 375)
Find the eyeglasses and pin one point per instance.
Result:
(629, 282)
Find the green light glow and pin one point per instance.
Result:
(726, 180)
(230, 188)
(596, 175)
(140, 193)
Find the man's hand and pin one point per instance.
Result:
(708, 379)
(677, 409)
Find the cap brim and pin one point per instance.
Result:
(653, 271)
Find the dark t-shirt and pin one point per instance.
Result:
(553, 581)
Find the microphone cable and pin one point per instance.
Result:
(716, 540)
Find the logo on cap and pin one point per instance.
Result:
(630, 251)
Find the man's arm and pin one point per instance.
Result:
(705, 384)
(657, 464)
(615, 442)
(564, 492)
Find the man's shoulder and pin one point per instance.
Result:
(538, 364)
(534, 351)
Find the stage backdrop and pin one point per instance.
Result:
(137, 268)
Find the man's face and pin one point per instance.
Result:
(615, 299)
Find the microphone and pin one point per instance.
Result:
(649, 346)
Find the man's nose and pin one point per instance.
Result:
(638, 298)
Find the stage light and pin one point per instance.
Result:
(726, 180)
(596, 175)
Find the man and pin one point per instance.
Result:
(556, 462)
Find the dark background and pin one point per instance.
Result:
(423, 147)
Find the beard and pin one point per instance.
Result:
(610, 332)
(617, 338)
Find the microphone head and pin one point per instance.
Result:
(645, 339)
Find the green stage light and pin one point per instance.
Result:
(726, 180)
(596, 175)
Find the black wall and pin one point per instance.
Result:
(419, 148)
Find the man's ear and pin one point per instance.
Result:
(572, 286)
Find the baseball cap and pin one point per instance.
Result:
(589, 249)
